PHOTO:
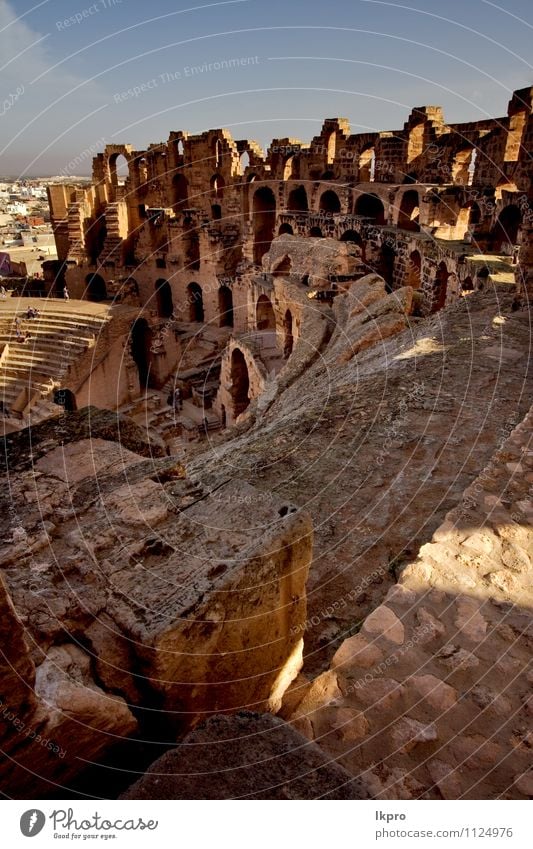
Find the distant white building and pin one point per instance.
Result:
(17, 208)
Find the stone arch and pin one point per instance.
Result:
(96, 288)
(240, 382)
(386, 265)
(180, 191)
(461, 171)
(440, 288)
(467, 285)
(65, 398)
(244, 161)
(264, 221)
(163, 294)
(414, 270)
(225, 307)
(507, 226)
(285, 228)
(196, 302)
(119, 169)
(370, 206)
(329, 202)
(297, 200)
(367, 164)
(141, 343)
(264, 314)
(283, 267)
(409, 213)
(355, 238)
(288, 338)
(217, 186)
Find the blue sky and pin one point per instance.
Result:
(64, 83)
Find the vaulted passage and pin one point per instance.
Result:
(440, 288)
(163, 292)
(370, 206)
(240, 383)
(225, 306)
(264, 221)
(297, 200)
(96, 288)
(264, 313)
(408, 218)
(196, 302)
(329, 202)
(141, 340)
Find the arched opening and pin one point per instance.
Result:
(289, 168)
(315, 233)
(329, 202)
(408, 218)
(440, 288)
(244, 161)
(96, 288)
(461, 174)
(370, 206)
(467, 286)
(180, 190)
(297, 200)
(264, 314)
(216, 212)
(355, 238)
(141, 341)
(240, 382)
(264, 220)
(191, 245)
(475, 215)
(505, 231)
(367, 165)
(331, 148)
(66, 399)
(180, 150)
(283, 267)
(286, 228)
(163, 293)
(288, 339)
(196, 302)
(386, 263)
(225, 306)
(327, 175)
(119, 169)
(217, 186)
(414, 270)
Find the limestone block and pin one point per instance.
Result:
(469, 619)
(408, 733)
(358, 652)
(383, 622)
(435, 692)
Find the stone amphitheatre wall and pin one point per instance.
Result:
(420, 202)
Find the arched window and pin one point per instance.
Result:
(367, 165)
(286, 228)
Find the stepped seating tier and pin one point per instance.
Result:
(63, 332)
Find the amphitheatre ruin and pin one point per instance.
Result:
(267, 471)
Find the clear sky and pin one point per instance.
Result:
(67, 66)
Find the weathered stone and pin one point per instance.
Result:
(408, 733)
(383, 622)
(358, 652)
(246, 756)
(435, 692)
